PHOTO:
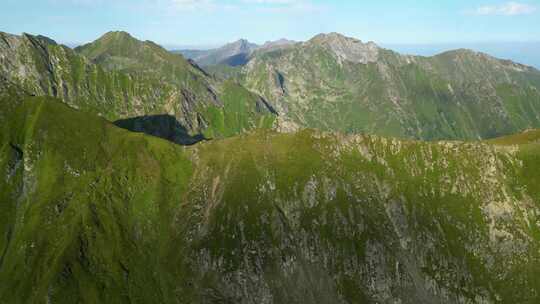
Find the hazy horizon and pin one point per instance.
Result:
(416, 27)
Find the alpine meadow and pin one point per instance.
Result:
(267, 151)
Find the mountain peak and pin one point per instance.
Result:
(335, 37)
(242, 41)
(347, 48)
(118, 37)
(241, 46)
(115, 49)
(117, 34)
(117, 43)
(329, 37)
(468, 54)
(40, 38)
(280, 43)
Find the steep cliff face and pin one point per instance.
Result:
(114, 85)
(45, 68)
(336, 83)
(99, 214)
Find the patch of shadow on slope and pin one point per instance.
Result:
(237, 60)
(162, 126)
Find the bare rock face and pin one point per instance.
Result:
(283, 125)
(348, 49)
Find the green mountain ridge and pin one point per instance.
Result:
(205, 203)
(100, 214)
(121, 51)
(132, 79)
(336, 83)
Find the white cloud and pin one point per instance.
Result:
(505, 9)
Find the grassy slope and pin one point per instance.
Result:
(98, 214)
(55, 70)
(150, 81)
(236, 115)
(231, 111)
(86, 212)
(430, 208)
(120, 51)
(455, 95)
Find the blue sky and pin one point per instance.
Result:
(213, 22)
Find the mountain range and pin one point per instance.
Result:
(337, 83)
(232, 54)
(120, 77)
(300, 174)
(333, 82)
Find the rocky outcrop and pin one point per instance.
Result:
(277, 44)
(347, 49)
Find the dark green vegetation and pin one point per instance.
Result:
(93, 213)
(337, 83)
(120, 77)
(102, 215)
(331, 82)
(84, 211)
